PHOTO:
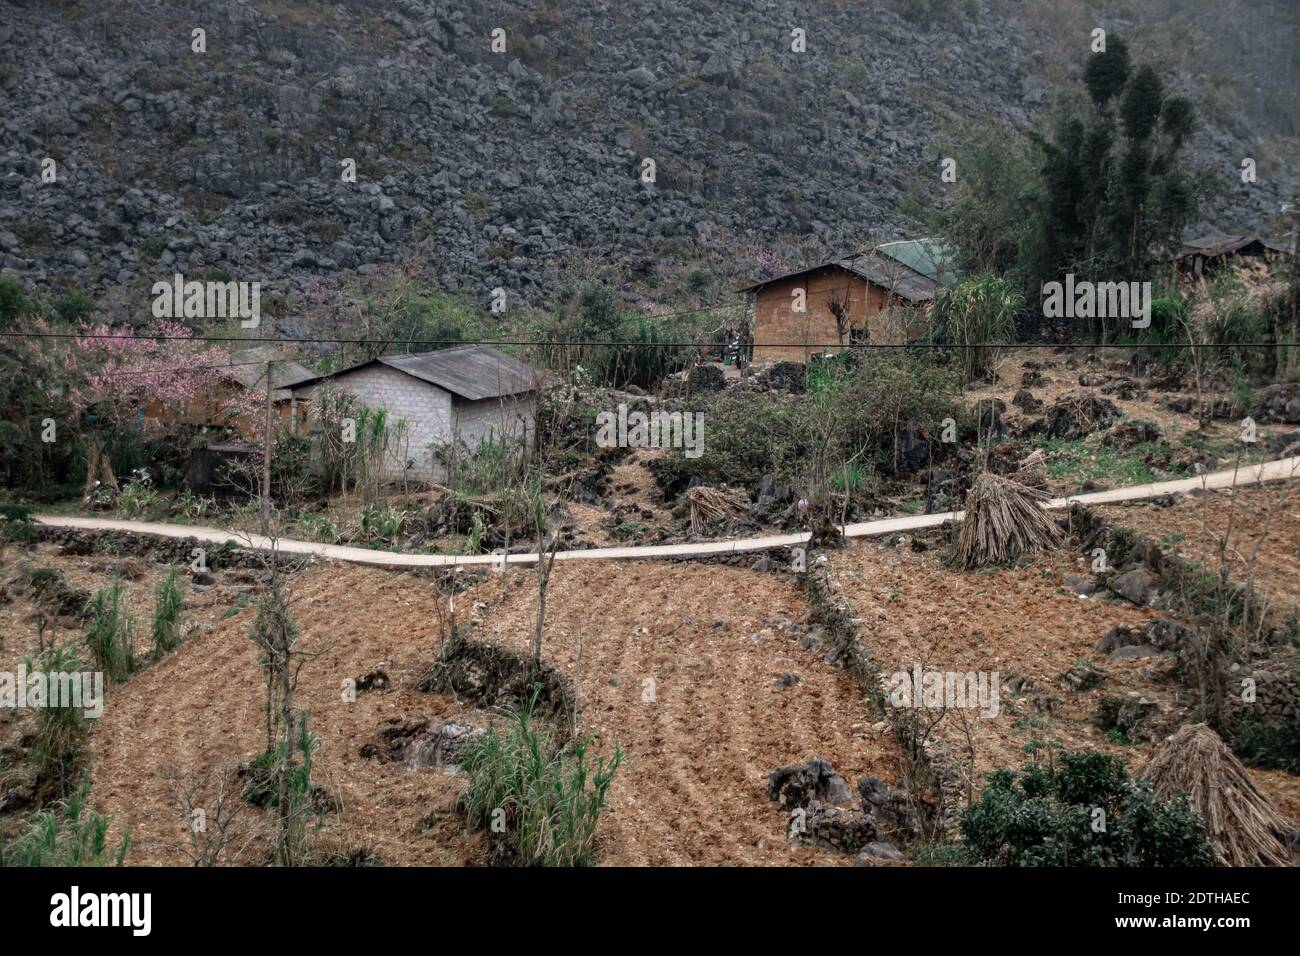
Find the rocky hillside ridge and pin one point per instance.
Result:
(485, 169)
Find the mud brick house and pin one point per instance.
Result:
(450, 400)
(841, 303)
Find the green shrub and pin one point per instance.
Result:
(111, 635)
(74, 308)
(14, 303)
(616, 347)
(853, 417)
(16, 525)
(58, 747)
(1086, 811)
(974, 315)
(168, 606)
(542, 801)
(68, 835)
(1273, 745)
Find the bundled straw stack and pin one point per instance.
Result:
(1004, 519)
(709, 506)
(1244, 827)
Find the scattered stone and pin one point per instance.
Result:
(798, 784)
(1131, 651)
(878, 850)
(788, 680)
(1128, 434)
(1079, 415)
(706, 378)
(421, 744)
(1082, 676)
(1026, 402)
(1284, 445)
(1129, 715)
(1137, 585)
(830, 827)
(1278, 403)
(374, 679)
(1083, 586)
(785, 376)
(888, 807)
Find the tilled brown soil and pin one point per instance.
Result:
(1015, 621)
(1021, 621)
(693, 789)
(1264, 541)
(202, 707)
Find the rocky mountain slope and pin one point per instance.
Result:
(485, 168)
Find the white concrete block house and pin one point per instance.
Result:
(461, 395)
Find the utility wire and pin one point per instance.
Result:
(612, 343)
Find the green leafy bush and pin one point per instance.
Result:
(1083, 810)
(111, 635)
(1273, 745)
(544, 801)
(853, 417)
(68, 835)
(168, 605)
(16, 524)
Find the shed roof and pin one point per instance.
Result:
(890, 274)
(913, 269)
(473, 372)
(1215, 243)
(249, 370)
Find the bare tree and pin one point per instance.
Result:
(212, 809)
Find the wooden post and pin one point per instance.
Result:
(266, 457)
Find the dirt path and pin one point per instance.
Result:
(1254, 474)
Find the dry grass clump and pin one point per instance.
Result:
(1243, 826)
(709, 506)
(1004, 519)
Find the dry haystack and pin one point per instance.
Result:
(1004, 519)
(1032, 470)
(1244, 827)
(710, 505)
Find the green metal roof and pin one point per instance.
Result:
(930, 257)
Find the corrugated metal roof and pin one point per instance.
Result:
(473, 372)
(930, 257)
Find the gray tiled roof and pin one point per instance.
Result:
(473, 372)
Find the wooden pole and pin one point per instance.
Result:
(266, 457)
